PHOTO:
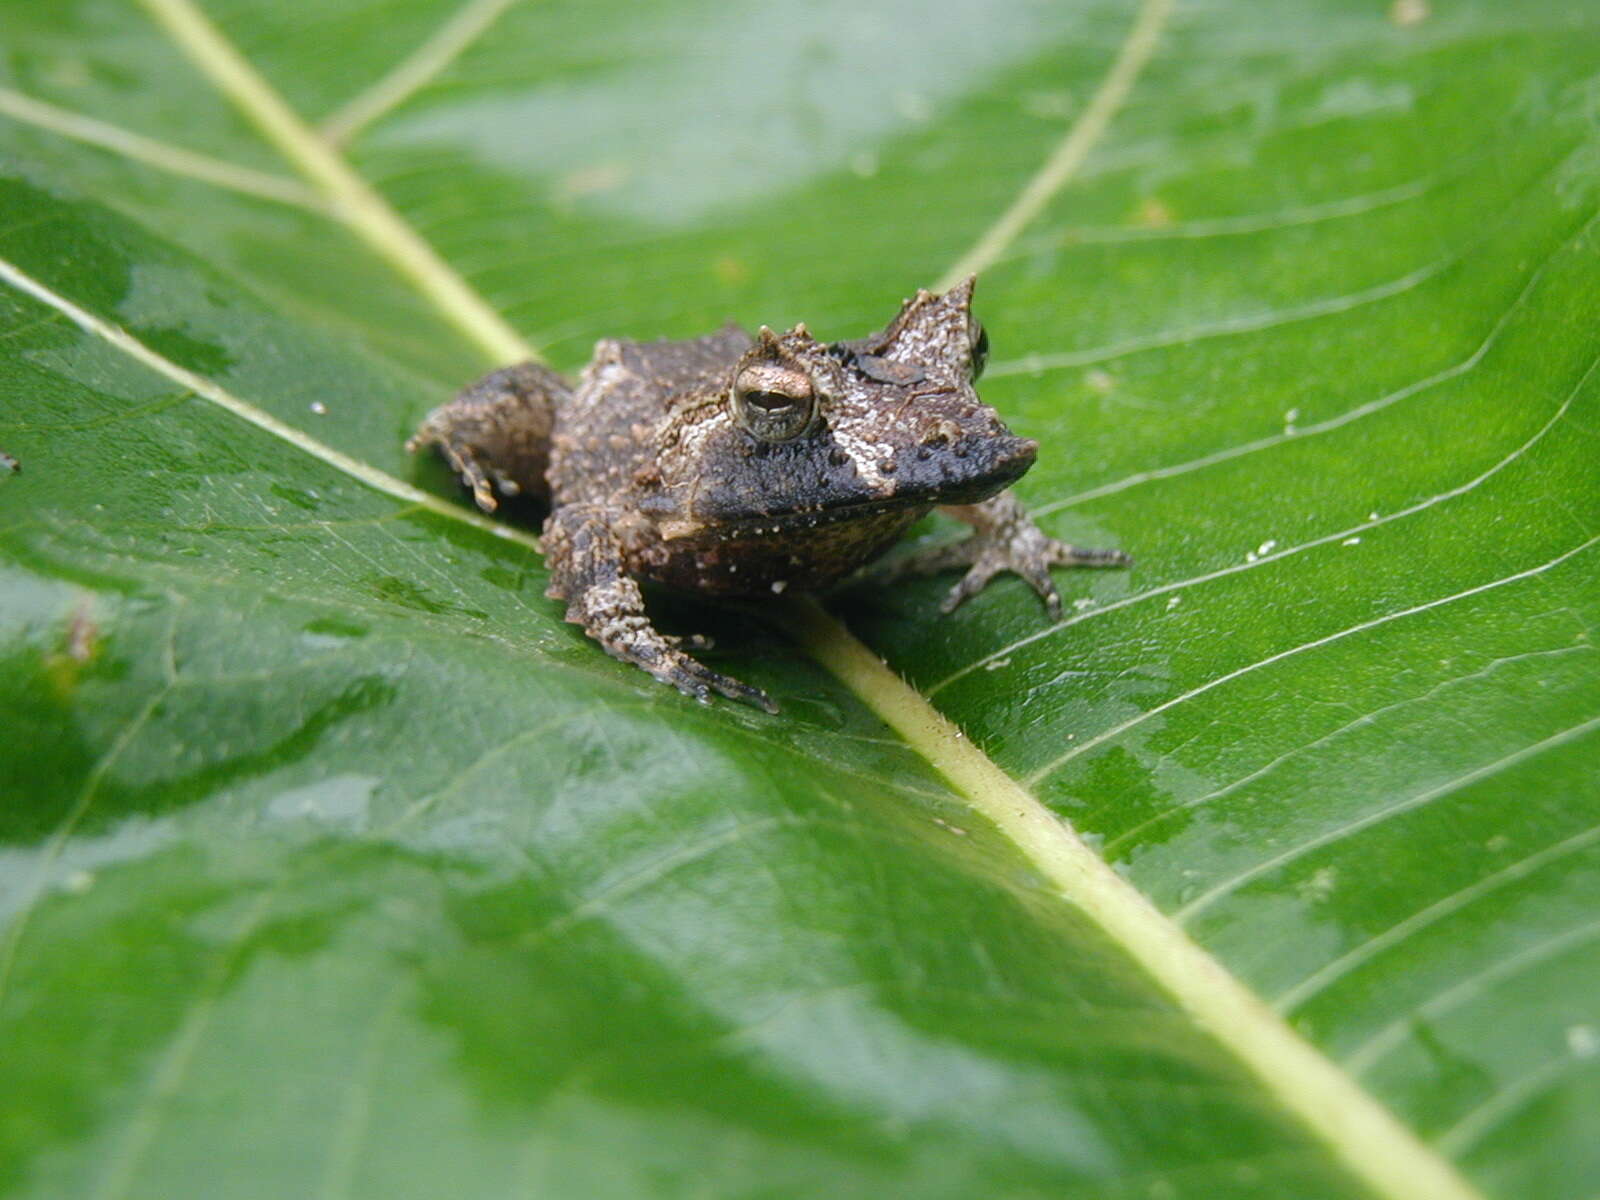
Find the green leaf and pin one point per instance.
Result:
(333, 863)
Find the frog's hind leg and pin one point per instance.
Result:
(1004, 538)
(495, 434)
(586, 571)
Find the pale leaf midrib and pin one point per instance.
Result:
(1360, 1132)
(358, 204)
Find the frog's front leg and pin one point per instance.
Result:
(497, 431)
(586, 571)
(1005, 538)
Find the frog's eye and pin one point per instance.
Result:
(774, 402)
(979, 346)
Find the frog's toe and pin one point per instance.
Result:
(695, 679)
(1037, 572)
(1064, 555)
(1005, 538)
(1029, 553)
(745, 694)
(974, 581)
(462, 461)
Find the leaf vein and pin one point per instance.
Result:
(1289, 217)
(1304, 647)
(1073, 149)
(1276, 556)
(411, 74)
(1476, 775)
(1363, 721)
(1319, 980)
(69, 823)
(1465, 990)
(362, 208)
(1504, 1103)
(145, 1123)
(175, 160)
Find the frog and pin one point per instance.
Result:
(742, 467)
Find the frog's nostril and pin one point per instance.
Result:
(1019, 452)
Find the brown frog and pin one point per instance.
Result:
(732, 466)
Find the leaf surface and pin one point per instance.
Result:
(333, 863)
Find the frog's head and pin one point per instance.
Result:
(817, 432)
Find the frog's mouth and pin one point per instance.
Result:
(775, 500)
(967, 472)
(849, 512)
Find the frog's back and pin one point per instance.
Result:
(604, 434)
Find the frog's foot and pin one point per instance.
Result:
(495, 434)
(459, 454)
(1005, 538)
(633, 640)
(586, 571)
